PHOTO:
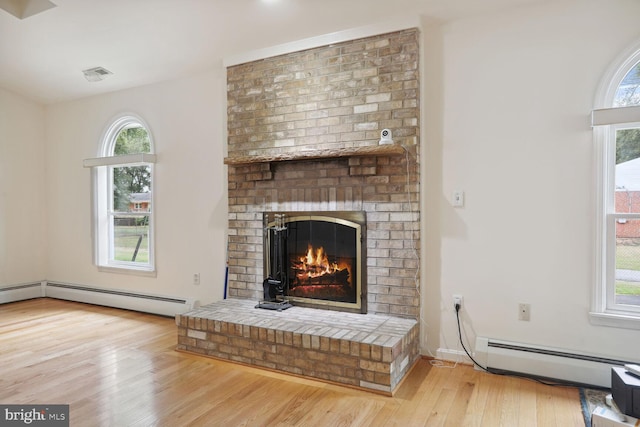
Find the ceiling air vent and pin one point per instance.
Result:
(96, 74)
(22, 9)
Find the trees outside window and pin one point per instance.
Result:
(123, 203)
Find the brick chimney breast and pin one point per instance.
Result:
(303, 135)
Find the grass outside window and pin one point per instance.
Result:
(125, 243)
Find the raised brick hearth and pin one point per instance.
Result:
(367, 351)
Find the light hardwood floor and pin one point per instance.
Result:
(119, 368)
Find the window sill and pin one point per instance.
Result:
(615, 320)
(127, 270)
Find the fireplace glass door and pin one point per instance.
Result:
(318, 257)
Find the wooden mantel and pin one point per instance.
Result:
(373, 150)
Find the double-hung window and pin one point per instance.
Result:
(616, 300)
(123, 203)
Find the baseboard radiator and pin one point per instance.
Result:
(147, 303)
(21, 292)
(545, 362)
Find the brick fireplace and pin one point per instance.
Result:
(303, 135)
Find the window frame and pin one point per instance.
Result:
(102, 195)
(606, 121)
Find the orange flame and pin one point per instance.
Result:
(316, 263)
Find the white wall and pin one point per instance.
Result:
(22, 197)
(505, 118)
(185, 119)
(513, 133)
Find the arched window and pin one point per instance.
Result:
(616, 300)
(123, 197)
(628, 91)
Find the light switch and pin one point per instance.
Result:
(458, 199)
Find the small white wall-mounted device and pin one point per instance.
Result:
(386, 137)
(457, 199)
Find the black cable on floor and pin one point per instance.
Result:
(511, 374)
(457, 307)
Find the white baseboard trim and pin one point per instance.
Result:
(149, 303)
(457, 356)
(21, 292)
(547, 362)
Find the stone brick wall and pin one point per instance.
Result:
(330, 98)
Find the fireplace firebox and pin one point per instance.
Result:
(316, 259)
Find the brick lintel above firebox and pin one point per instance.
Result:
(373, 150)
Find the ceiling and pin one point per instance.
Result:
(145, 41)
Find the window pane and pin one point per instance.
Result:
(627, 195)
(132, 140)
(131, 239)
(628, 262)
(131, 186)
(628, 92)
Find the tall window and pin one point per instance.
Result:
(123, 202)
(617, 133)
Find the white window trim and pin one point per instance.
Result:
(101, 194)
(127, 159)
(614, 116)
(605, 122)
(604, 310)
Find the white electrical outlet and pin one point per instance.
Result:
(524, 312)
(196, 278)
(457, 300)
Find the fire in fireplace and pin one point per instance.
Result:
(316, 259)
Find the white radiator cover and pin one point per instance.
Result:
(547, 362)
(22, 291)
(149, 303)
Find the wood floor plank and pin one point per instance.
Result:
(563, 400)
(411, 388)
(416, 410)
(460, 403)
(510, 405)
(527, 404)
(120, 368)
(477, 401)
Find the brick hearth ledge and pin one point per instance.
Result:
(368, 351)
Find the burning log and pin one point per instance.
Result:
(314, 268)
(339, 277)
